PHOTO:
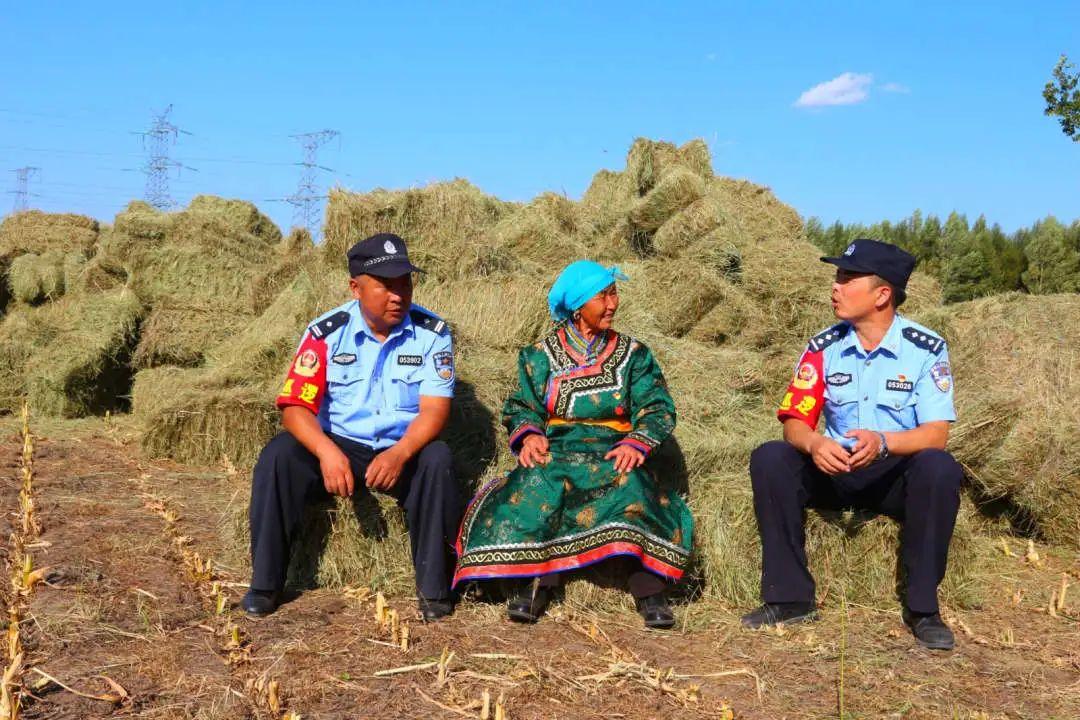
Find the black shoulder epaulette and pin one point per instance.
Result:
(924, 340)
(328, 325)
(429, 322)
(823, 340)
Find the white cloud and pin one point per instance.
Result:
(846, 89)
(895, 88)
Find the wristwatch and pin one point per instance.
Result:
(883, 451)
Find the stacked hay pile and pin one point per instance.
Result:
(194, 270)
(724, 288)
(41, 254)
(65, 349)
(1017, 379)
(156, 289)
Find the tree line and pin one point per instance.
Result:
(971, 260)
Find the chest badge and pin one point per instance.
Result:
(838, 378)
(413, 360)
(900, 384)
(344, 359)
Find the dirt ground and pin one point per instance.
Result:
(129, 600)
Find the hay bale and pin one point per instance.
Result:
(295, 251)
(648, 161)
(675, 191)
(443, 223)
(529, 237)
(668, 298)
(102, 271)
(226, 409)
(194, 267)
(1017, 379)
(206, 253)
(33, 231)
(35, 279)
(361, 540)
(185, 419)
(607, 200)
(851, 555)
(71, 357)
(692, 223)
(181, 335)
(498, 312)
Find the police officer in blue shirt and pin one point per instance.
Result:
(364, 400)
(885, 387)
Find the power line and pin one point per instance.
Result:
(22, 192)
(156, 141)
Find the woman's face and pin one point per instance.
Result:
(599, 312)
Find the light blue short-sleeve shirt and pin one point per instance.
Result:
(902, 383)
(373, 388)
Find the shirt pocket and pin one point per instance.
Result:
(842, 406)
(897, 412)
(344, 383)
(406, 389)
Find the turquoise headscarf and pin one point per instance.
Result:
(576, 285)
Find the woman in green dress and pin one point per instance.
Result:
(590, 407)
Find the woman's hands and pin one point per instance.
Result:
(534, 451)
(626, 458)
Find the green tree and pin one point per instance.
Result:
(1053, 266)
(968, 270)
(1062, 95)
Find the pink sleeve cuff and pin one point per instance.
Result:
(639, 446)
(519, 435)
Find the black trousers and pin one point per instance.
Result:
(287, 477)
(921, 491)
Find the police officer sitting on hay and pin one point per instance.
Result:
(364, 400)
(886, 390)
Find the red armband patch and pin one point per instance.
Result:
(804, 396)
(305, 384)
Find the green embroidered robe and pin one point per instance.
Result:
(576, 509)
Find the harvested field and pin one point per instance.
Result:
(123, 605)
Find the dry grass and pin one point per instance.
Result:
(87, 343)
(1017, 376)
(443, 222)
(37, 232)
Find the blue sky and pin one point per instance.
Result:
(944, 100)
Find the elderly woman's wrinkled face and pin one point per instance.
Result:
(598, 314)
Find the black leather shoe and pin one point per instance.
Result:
(656, 611)
(930, 631)
(259, 603)
(771, 614)
(433, 610)
(529, 604)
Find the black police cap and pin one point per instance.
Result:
(888, 262)
(383, 255)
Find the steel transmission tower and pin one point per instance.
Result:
(22, 193)
(306, 198)
(157, 141)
